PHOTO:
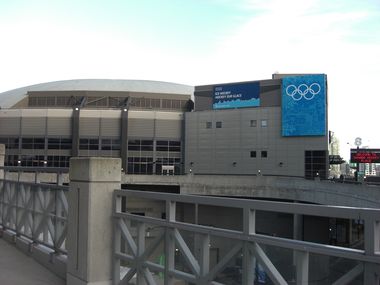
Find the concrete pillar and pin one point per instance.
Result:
(2, 156)
(90, 226)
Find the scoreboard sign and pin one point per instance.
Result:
(359, 155)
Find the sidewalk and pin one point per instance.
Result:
(17, 268)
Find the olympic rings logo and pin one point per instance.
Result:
(303, 91)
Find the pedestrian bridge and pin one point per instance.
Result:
(91, 232)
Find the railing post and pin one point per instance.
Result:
(2, 176)
(302, 267)
(90, 225)
(371, 247)
(169, 242)
(2, 156)
(249, 227)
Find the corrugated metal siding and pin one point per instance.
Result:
(89, 127)
(140, 128)
(59, 126)
(34, 126)
(110, 127)
(9, 126)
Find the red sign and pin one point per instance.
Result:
(365, 155)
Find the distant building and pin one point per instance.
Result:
(264, 127)
(334, 150)
(370, 169)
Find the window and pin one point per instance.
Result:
(253, 123)
(172, 146)
(32, 160)
(264, 123)
(140, 165)
(253, 153)
(33, 143)
(208, 125)
(58, 161)
(264, 153)
(89, 144)
(218, 125)
(59, 143)
(11, 160)
(140, 145)
(110, 144)
(165, 161)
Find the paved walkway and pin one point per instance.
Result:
(16, 268)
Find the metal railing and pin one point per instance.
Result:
(36, 212)
(159, 250)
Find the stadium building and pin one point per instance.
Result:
(139, 121)
(266, 127)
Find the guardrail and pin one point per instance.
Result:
(34, 217)
(35, 211)
(156, 250)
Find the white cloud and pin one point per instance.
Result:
(295, 38)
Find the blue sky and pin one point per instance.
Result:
(202, 42)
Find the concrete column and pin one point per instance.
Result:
(90, 227)
(2, 156)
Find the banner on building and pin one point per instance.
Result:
(236, 95)
(304, 105)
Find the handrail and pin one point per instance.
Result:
(170, 237)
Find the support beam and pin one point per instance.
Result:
(2, 157)
(124, 139)
(140, 251)
(302, 267)
(350, 275)
(75, 132)
(270, 269)
(169, 256)
(90, 236)
(204, 258)
(248, 265)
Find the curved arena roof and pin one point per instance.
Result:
(10, 98)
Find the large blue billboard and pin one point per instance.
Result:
(304, 105)
(236, 95)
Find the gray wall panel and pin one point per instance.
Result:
(110, 127)
(59, 126)
(33, 126)
(89, 127)
(9, 126)
(141, 128)
(168, 129)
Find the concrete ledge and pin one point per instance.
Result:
(72, 280)
(95, 169)
(43, 255)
